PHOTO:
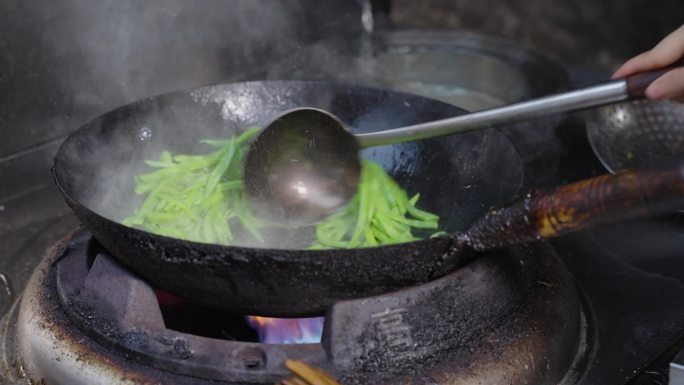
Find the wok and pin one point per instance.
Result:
(460, 178)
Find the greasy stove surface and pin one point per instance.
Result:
(637, 314)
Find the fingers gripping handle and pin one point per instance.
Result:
(580, 206)
(638, 83)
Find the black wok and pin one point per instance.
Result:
(459, 178)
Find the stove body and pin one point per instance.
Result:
(511, 316)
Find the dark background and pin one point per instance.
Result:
(592, 33)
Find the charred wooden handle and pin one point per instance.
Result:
(580, 206)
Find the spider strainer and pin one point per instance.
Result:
(637, 134)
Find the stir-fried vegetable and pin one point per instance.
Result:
(197, 197)
(379, 214)
(201, 198)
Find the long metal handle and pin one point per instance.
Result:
(632, 87)
(595, 96)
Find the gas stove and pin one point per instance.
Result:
(597, 307)
(510, 316)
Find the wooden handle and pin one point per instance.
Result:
(307, 375)
(638, 83)
(580, 206)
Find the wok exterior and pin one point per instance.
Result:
(271, 282)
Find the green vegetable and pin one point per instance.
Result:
(197, 197)
(379, 214)
(201, 198)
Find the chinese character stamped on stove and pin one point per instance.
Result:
(394, 330)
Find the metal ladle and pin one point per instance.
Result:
(305, 164)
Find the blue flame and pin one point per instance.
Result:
(287, 330)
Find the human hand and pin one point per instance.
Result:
(667, 52)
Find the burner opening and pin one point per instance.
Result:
(185, 317)
(288, 330)
(182, 316)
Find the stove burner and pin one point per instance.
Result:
(510, 316)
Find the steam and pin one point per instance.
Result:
(130, 50)
(126, 50)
